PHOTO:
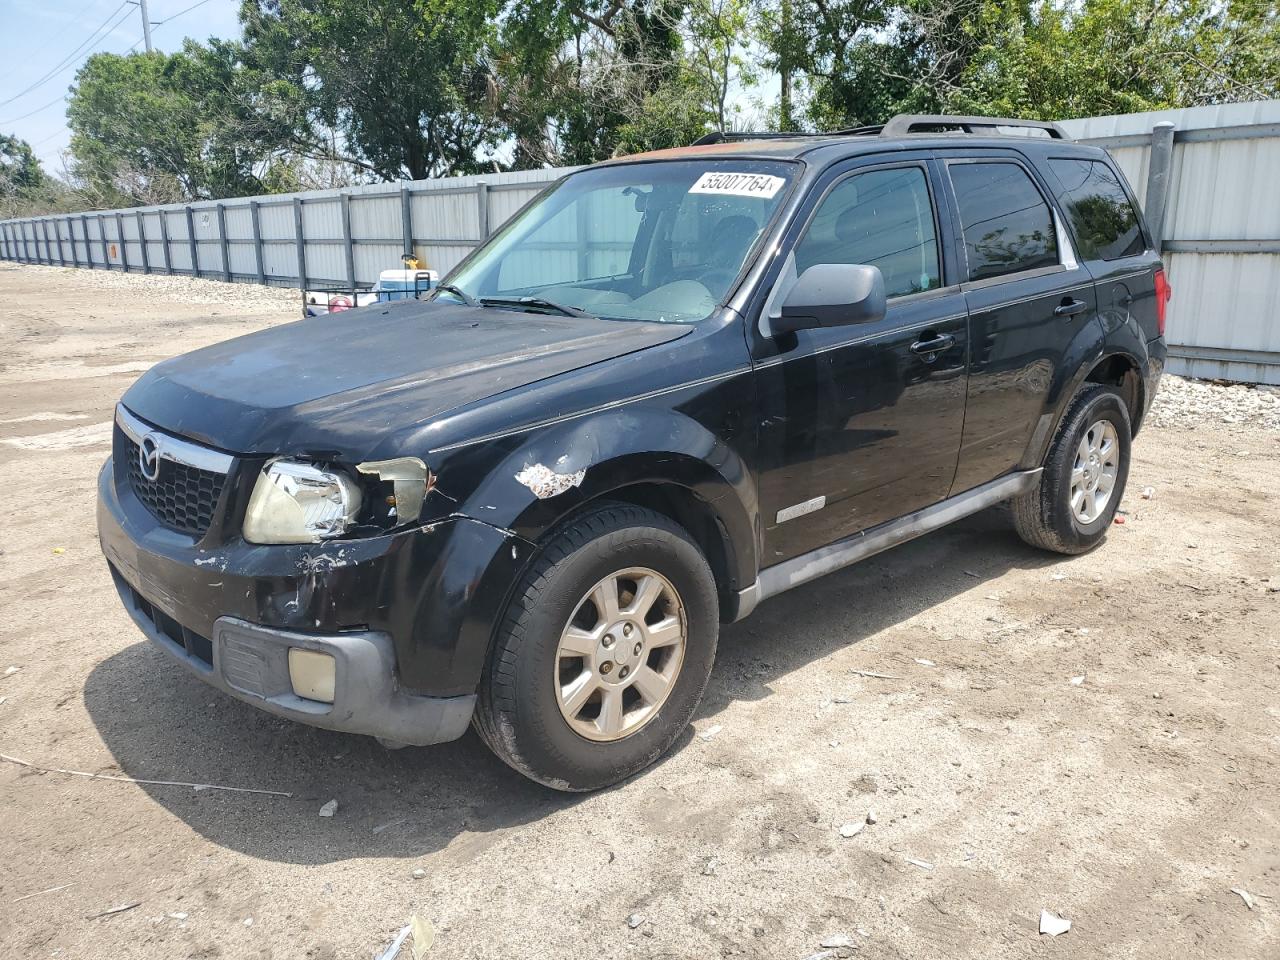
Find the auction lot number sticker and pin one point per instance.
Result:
(738, 184)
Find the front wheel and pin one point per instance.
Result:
(1073, 503)
(604, 652)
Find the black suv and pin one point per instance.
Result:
(672, 386)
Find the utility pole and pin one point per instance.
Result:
(146, 24)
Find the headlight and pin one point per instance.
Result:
(298, 503)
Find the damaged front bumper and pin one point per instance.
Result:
(405, 617)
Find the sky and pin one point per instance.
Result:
(42, 34)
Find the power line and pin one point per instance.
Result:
(62, 64)
(60, 98)
(159, 23)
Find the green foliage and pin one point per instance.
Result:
(151, 128)
(863, 61)
(25, 189)
(578, 81)
(397, 87)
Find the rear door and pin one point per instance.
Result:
(861, 424)
(1027, 297)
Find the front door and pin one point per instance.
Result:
(861, 424)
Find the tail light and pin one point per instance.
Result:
(1163, 293)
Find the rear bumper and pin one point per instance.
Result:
(250, 662)
(1157, 355)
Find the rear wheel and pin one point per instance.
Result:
(1079, 490)
(604, 652)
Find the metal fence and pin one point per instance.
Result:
(327, 238)
(1207, 175)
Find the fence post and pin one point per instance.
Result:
(57, 235)
(101, 236)
(1161, 162)
(348, 248)
(222, 241)
(164, 241)
(71, 238)
(482, 208)
(48, 249)
(124, 247)
(88, 250)
(300, 242)
(142, 242)
(406, 218)
(4, 239)
(191, 242)
(33, 246)
(255, 218)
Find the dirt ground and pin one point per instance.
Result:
(1131, 802)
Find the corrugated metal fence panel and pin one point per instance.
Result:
(1225, 190)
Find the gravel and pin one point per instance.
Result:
(182, 289)
(1185, 403)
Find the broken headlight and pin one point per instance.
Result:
(299, 503)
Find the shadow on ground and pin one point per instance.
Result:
(160, 723)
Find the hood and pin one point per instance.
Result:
(338, 384)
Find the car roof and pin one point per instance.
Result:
(836, 146)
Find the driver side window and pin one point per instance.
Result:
(882, 218)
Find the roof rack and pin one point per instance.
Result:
(733, 136)
(901, 125)
(905, 123)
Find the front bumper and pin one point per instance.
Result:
(406, 616)
(250, 663)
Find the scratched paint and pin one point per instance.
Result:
(545, 482)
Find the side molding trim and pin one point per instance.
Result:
(809, 566)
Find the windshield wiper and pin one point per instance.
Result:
(461, 294)
(542, 302)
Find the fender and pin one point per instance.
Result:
(1104, 337)
(542, 478)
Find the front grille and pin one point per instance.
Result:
(181, 496)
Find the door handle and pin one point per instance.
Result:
(929, 349)
(1069, 308)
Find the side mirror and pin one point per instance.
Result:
(832, 295)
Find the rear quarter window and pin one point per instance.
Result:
(1007, 224)
(1102, 218)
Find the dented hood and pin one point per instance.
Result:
(340, 384)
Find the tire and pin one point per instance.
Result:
(1045, 515)
(527, 710)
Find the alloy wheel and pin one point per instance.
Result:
(1094, 471)
(620, 654)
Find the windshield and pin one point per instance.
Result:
(658, 241)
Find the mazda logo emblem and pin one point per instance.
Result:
(149, 457)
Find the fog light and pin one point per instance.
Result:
(312, 674)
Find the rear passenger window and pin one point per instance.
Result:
(1007, 224)
(1106, 227)
(882, 218)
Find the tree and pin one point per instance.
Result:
(578, 81)
(21, 177)
(156, 128)
(861, 61)
(396, 87)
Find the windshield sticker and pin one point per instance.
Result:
(739, 184)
